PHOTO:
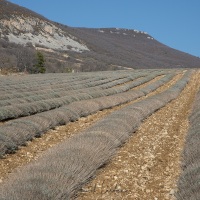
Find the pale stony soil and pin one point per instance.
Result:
(38, 145)
(148, 165)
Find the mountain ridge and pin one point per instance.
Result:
(67, 49)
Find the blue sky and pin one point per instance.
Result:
(172, 22)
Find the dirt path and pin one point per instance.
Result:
(34, 148)
(147, 166)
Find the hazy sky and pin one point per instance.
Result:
(175, 23)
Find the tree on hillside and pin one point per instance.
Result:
(40, 65)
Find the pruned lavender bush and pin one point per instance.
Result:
(28, 97)
(20, 134)
(63, 169)
(72, 111)
(189, 180)
(65, 83)
(25, 109)
(33, 86)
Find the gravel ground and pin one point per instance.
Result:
(35, 148)
(148, 165)
(38, 145)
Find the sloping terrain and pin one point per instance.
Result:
(131, 48)
(129, 124)
(22, 26)
(22, 32)
(68, 49)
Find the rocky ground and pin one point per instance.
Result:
(148, 165)
(145, 168)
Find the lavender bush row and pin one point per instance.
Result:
(18, 110)
(17, 132)
(63, 90)
(63, 83)
(57, 80)
(63, 169)
(55, 85)
(14, 81)
(189, 180)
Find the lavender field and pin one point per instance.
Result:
(31, 106)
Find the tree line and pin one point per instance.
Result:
(18, 58)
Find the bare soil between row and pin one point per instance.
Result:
(148, 165)
(35, 148)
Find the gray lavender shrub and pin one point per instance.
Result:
(22, 130)
(63, 169)
(189, 180)
(25, 109)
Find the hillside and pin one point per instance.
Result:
(132, 48)
(67, 49)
